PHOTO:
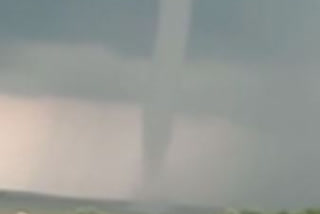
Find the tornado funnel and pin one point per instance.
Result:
(170, 45)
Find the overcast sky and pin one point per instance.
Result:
(249, 136)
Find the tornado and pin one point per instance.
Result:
(168, 57)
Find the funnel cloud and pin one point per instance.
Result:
(170, 47)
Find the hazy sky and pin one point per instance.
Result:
(246, 132)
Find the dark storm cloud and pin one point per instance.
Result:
(249, 29)
(253, 30)
(128, 26)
